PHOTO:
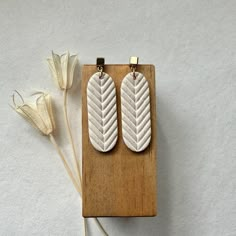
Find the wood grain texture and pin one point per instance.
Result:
(120, 182)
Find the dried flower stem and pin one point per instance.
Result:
(70, 173)
(101, 227)
(85, 227)
(66, 165)
(71, 137)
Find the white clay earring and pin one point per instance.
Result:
(102, 109)
(135, 109)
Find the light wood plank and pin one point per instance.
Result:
(120, 182)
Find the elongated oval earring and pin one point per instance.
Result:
(135, 109)
(102, 109)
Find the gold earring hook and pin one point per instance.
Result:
(133, 62)
(100, 66)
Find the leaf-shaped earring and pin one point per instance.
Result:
(135, 109)
(102, 110)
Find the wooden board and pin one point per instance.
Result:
(119, 182)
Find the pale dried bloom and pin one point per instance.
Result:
(39, 113)
(62, 69)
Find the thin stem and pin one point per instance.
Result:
(68, 128)
(70, 173)
(101, 227)
(85, 227)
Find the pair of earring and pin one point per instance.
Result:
(135, 109)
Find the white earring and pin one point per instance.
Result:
(135, 109)
(102, 109)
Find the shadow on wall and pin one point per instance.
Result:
(161, 224)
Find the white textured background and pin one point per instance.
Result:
(192, 44)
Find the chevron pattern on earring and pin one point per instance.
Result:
(102, 112)
(135, 110)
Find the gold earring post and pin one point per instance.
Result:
(133, 62)
(100, 65)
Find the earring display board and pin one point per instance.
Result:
(119, 182)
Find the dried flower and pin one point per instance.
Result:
(62, 69)
(39, 113)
